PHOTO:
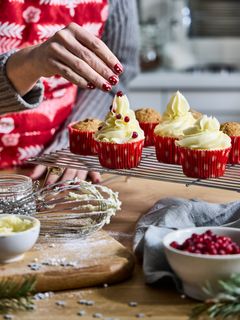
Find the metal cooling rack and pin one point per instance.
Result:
(149, 168)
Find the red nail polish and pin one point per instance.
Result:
(90, 86)
(106, 87)
(113, 80)
(118, 68)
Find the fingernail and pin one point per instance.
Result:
(113, 80)
(106, 87)
(118, 68)
(91, 86)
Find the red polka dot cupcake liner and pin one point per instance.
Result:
(148, 129)
(166, 150)
(234, 156)
(119, 156)
(204, 164)
(81, 142)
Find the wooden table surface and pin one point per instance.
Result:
(158, 303)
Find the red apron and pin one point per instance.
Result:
(27, 22)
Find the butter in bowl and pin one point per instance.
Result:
(203, 256)
(18, 234)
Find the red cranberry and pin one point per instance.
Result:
(174, 245)
(119, 94)
(118, 116)
(126, 119)
(134, 135)
(208, 243)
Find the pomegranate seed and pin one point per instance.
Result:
(126, 119)
(118, 116)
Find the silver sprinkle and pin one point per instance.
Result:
(52, 245)
(140, 315)
(35, 266)
(90, 303)
(105, 285)
(81, 313)
(39, 296)
(72, 264)
(61, 303)
(132, 304)
(8, 316)
(97, 315)
(183, 296)
(82, 301)
(35, 260)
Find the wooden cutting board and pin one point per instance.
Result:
(99, 259)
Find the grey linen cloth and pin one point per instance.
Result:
(172, 213)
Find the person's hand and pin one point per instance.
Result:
(68, 174)
(73, 53)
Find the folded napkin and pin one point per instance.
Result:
(172, 214)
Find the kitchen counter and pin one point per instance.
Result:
(157, 303)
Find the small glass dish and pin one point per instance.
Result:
(14, 187)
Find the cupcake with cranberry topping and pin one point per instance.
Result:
(204, 149)
(176, 119)
(119, 140)
(81, 136)
(148, 119)
(232, 129)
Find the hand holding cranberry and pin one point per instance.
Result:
(74, 53)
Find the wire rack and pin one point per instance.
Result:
(149, 168)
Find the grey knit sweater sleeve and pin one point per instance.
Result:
(10, 100)
(121, 36)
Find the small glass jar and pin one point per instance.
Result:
(14, 187)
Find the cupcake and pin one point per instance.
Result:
(204, 149)
(176, 119)
(119, 140)
(148, 119)
(232, 129)
(81, 136)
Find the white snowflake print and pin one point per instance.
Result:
(31, 14)
(54, 82)
(6, 125)
(104, 12)
(11, 30)
(93, 28)
(48, 30)
(7, 44)
(29, 152)
(69, 4)
(10, 140)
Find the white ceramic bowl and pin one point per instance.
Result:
(14, 245)
(195, 270)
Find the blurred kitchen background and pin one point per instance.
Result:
(192, 46)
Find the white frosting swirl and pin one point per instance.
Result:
(176, 118)
(115, 127)
(205, 135)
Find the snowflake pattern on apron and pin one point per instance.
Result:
(28, 22)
